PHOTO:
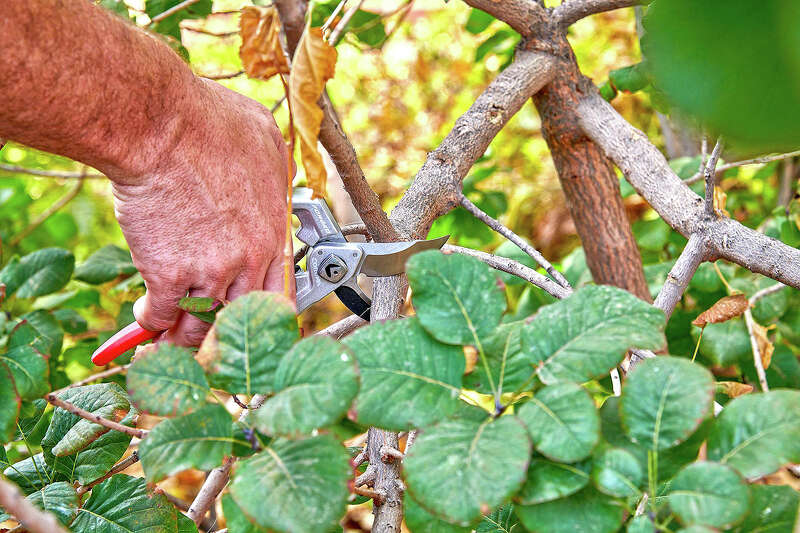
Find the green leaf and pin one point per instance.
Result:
(726, 343)
(185, 524)
(758, 433)
(106, 264)
(71, 321)
(641, 524)
(39, 273)
(617, 472)
(123, 503)
(629, 79)
(501, 42)
(316, 383)
(235, 518)
(9, 406)
(167, 381)
(41, 330)
(407, 378)
(198, 440)
(460, 468)
(29, 370)
(709, 494)
(368, 28)
(68, 433)
(696, 528)
(301, 484)
(170, 25)
(30, 474)
(57, 498)
(457, 298)
(509, 364)
(478, 21)
(205, 309)
(562, 421)
(419, 520)
(587, 511)
(548, 480)
(251, 336)
(773, 508)
(33, 422)
(783, 372)
(584, 336)
(664, 400)
(502, 520)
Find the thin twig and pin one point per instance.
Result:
(616, 385)
(221, 34)
(412, 436)
(367, 478)
(710, 174)
(389, 454)
(703, 154)
(497, 226)
(766, 292)
(337, 31)
(757, 361)
(177, 502)
(640, 508)
(61, 202)
(376, 496)
(97, 419)
(572, 11)
(755, 161)
(333, 16)
(171, 11)
(225, 76)
(515, 268)
(116, 469)
(342, 328)
(94, 377)
(49, 173)
(34, 519)
(277, 104)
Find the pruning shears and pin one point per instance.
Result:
(332, 265)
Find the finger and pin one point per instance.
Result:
(190, 330)
(247, 281)
(275, 278)
(158, 309)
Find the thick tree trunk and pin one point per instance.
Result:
(587, 178)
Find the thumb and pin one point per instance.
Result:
(158, 309)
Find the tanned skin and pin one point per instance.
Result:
(199, 172)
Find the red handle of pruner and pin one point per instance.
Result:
(122, 341)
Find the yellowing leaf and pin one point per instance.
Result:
(725, 309)
(734, 389)
(313, 64)
(261, 52)
(765, 347)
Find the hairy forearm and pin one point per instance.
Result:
(81, 82)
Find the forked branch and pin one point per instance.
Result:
(571, 11)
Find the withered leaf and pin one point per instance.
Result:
(261, 52)
(733, 389)
(313, 65)
(765, 347)
(725, 309)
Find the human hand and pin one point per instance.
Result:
(207, 217)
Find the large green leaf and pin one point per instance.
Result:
(407, 378)
(106, 264)
(641, 524)
(235, 518)
(70, 321)
(587, 334)
(58, 498)
(664, 400)
(9, 406)
(68, 433)
(709, 494)
(185, 524)
(29, 370)
(167, 381)
(617, 472)
(461, 467)
(39, 329)
(316, 383)
(198, 440)
(758, 433)
(587, 511)
(247, 342)
(294, 485)
(773, 508)
(548, 480)
(726, 343)
(419, 520)
(508, 363)
(562, 422)
(124, 504)
(31, 473)
(39, 273)
(457, 298)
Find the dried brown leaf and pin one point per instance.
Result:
(313, 65)
(261, 52)
(765, 347)
(725, 309)
(733, 389)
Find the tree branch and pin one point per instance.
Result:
(48, 173)
(31, 517)
(516, 239)
(571, 11)
(710, 175)
(83, 413)
(765, 292)
(514, 268)
(649, 173)
(524, 16)
(224, 76)
(94, 377)
(212, 486)
(695, 252)
(342, 328)
(757, 361)
(436, 187)
(745, 162)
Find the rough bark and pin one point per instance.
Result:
(695, 252)
(524, 16)
(572, 11)
(587, 177)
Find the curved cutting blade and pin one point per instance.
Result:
(389, 258)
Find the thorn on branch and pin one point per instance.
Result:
(389, 454)
(710, 174)
(375, 495)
